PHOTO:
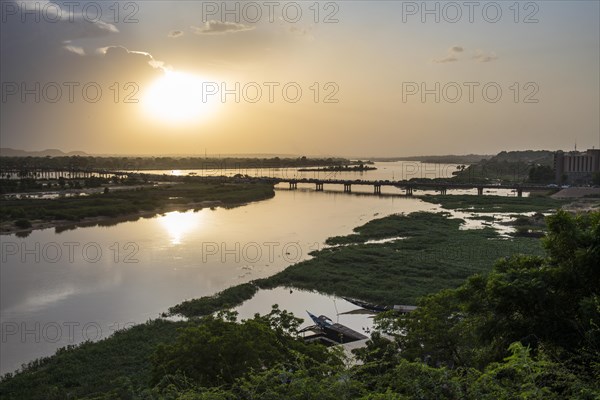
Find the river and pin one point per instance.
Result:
(62, 288)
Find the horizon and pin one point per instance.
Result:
(272, 155)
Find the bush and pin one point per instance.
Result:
(23, 223)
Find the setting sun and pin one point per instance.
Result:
(177, 98)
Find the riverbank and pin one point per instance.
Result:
(24, 215)
(426, 252)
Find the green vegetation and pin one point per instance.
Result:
(25, 185)
(23, 223)
(67, 163)
(529, 329)
(228, 298)
(534, 226)
(549, 306)
(117, 203)
(230, 350)
(495, 204)
(432, 254)
(507, 167)
(449, 159)
(120, 363)
(541, 174)
(343, 168)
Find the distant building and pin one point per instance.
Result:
(576, 166)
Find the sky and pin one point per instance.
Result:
(343, 78)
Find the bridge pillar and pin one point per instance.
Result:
(443, 191)
(347, 188)
(377, 189)
(480, 191)
(519, 192)
(409, 191)
(319, 187)
(293, 185)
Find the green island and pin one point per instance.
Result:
(498, 317)
(341, 168)
(113, 163)
(146, 200)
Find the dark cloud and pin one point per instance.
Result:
(450, 56)
(175, 34)
(447, 59)
(482, 57)
(124, 64)
(56, 23)
(218, 28)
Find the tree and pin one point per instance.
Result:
(541, 174)
(550, 302)
(219, 350)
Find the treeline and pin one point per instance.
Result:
(513, 166)
(126, 202)
(446, 159)
(149, 163)
(530, 329)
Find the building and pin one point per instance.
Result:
(576, 166)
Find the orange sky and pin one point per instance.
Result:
(348, 80)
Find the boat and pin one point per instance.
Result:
(401, 308)
(329, 332)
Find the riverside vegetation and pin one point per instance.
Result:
(526, 326)
(130, 202)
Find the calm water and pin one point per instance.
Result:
(398, 170)
(62, 288)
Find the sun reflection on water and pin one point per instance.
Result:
(179, 224)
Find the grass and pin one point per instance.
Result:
(434, 254)
(93, 369)
(495, 204)
(228, 298)
(118, 203)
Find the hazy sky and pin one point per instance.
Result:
(350, 78)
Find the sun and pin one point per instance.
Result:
(177, 97)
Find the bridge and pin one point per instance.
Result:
(55, 173)
(407, 186)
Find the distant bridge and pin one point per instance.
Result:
(408, 186)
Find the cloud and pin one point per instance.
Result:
(447, 59)
(450, 56)
(303, 32)
(64, 24)
(86, 29)
(175, 34)
(75, 49)
(482, 57)
(454, 51)
(120, 55)
(213, 27)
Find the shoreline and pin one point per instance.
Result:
(8, 228)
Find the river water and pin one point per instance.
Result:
(392, 171)
(63, 288)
